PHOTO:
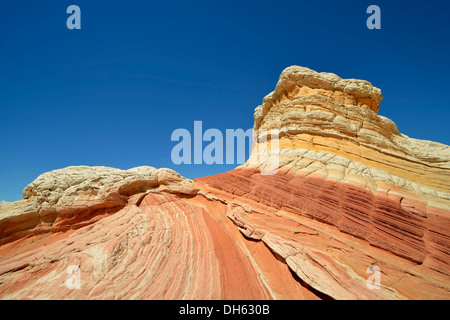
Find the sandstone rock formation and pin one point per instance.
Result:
(350, 193)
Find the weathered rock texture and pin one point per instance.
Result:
(350, 192)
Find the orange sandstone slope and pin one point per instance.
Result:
(351, 192)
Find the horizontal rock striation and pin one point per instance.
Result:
(350, 195)
(383, 196)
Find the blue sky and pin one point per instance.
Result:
(112, 93)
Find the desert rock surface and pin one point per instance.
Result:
(350, 192)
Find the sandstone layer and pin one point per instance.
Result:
(350, 195)
(143, 233)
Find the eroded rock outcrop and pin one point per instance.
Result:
(143, 233)
(75, 195)
(350, 193)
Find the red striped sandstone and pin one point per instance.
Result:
(351, 192)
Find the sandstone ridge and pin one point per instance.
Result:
(69, 195)
(351, 194)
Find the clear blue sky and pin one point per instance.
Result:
(112, 93)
